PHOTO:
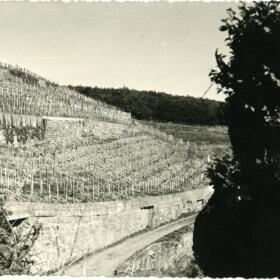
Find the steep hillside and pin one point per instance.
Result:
(22, 92)
(60, 146)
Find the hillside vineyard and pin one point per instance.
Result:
(60, 146)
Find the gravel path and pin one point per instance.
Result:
(106, 261)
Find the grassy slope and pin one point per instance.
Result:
(214, 139)
(194, 133)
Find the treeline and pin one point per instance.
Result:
(159, 106)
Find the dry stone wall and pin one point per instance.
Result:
(57, 130)
(78, 129)
(71, 231)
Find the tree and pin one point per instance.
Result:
(251, 80)
(241, 220)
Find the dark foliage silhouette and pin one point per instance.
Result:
(237, 234)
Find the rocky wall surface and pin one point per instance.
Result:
(71, 231)
(59, 128)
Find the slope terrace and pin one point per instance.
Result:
(59, 146)
(25, 93)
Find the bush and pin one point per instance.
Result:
(15, 257)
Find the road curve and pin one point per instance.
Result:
(105, 262)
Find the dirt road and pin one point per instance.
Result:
(107, 261)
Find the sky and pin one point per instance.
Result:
(158, 46)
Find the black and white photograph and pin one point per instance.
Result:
(140, 139)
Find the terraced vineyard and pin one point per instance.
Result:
(214, 139)
(58, 146)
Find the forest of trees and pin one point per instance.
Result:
(159, 106)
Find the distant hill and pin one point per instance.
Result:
(159, 106)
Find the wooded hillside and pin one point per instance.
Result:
(159, 106)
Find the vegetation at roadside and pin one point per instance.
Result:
(169, 256)
(15, 245)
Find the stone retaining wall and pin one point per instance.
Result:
(71, 231)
